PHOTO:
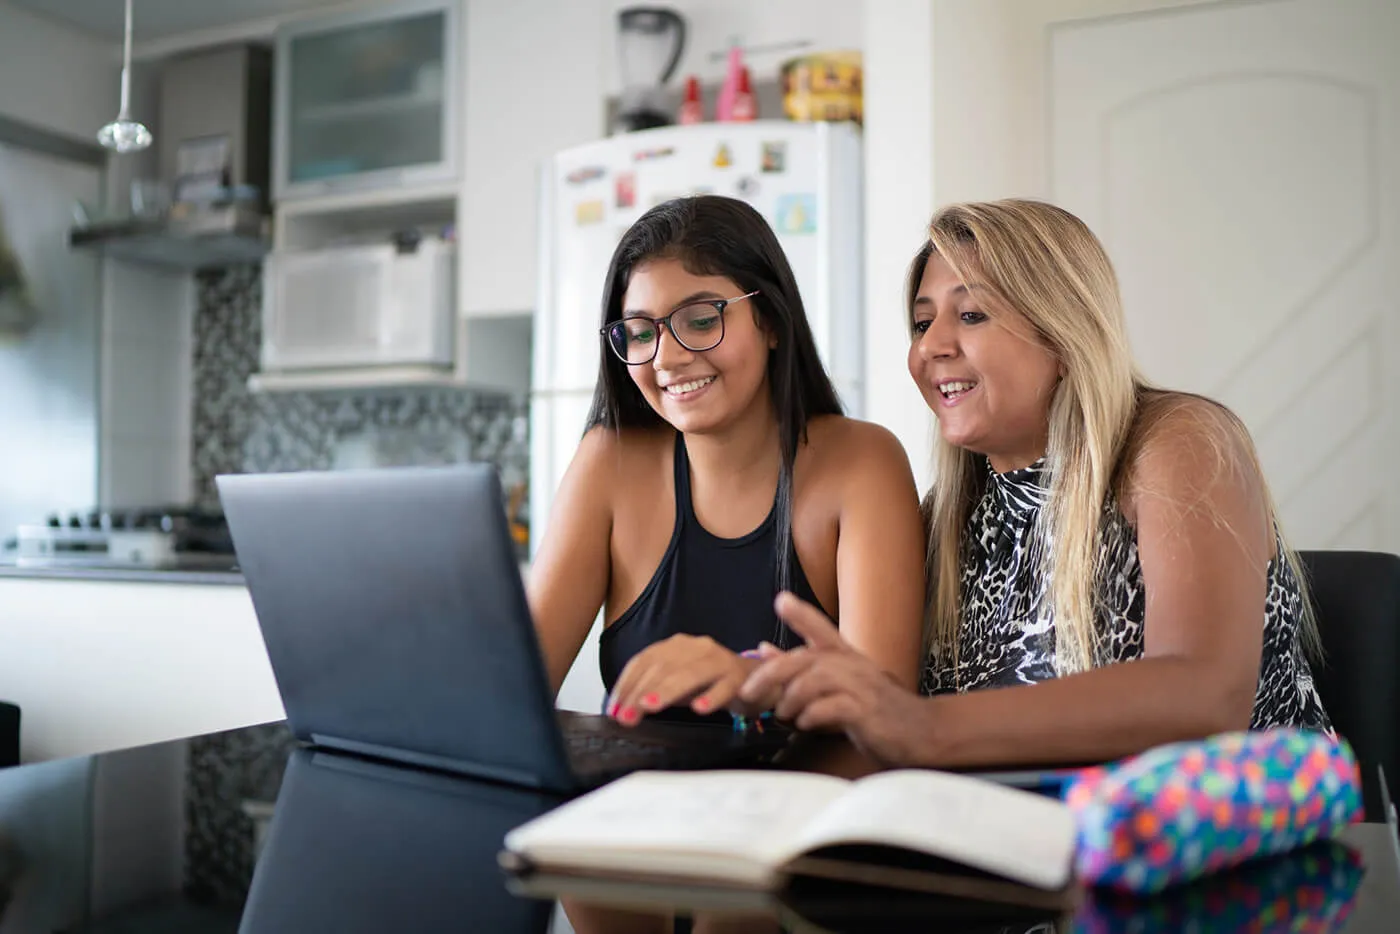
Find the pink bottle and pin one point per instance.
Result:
(745, 107)
(724, 107)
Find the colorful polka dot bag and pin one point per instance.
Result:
(1185, 810)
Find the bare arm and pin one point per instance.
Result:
(860, 481)
(880, 556)
(1204, 542)
(568, 579)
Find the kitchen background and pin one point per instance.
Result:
(136, 382)
(185, 334)
(192, 355)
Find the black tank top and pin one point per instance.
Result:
(705, 585)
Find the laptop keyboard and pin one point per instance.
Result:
(608, 747)
(600, 757)
(601, 751)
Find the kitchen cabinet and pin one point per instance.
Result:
(489, 352)
(367, 99)
(520, 81)
(530, 84)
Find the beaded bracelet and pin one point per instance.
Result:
(743, 724)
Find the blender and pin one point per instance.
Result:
(649, 45)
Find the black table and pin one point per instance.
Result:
(357, 845)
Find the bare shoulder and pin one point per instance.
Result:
(606, 452)
(1187, 448)
(851, 447)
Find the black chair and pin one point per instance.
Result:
(9, 735)
(1356, 595)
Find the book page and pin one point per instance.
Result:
(754, 815)
(1022, 836)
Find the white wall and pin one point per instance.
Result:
(147, 383)
(899, 174)
(990, 81)
(55, 77)
(48, 376)
(66, 81)
(529, 92)
(955, 106)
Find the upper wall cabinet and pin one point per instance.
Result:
(368, 100)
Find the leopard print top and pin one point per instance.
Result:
(1008, 632)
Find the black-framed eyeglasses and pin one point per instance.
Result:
(696, 326)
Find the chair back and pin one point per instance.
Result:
(1356, 595)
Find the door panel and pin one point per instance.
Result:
(1240, 161)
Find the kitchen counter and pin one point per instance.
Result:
(8, 568)
(106, 658)
(101, 659)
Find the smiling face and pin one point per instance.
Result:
(705, 391)
(982, 369)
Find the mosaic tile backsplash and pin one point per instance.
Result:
(238, 431)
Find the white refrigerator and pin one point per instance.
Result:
(804, 178)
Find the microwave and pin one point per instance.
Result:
(359, 306)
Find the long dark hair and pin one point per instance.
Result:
(716, 236)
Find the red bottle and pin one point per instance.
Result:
(692, 109)
(745, 106)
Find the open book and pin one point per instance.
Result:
(928, 831)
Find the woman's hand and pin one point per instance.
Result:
(828, 685)
(682, 669)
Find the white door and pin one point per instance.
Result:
(1242, 163)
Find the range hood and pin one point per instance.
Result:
(208, 238)
(214, 153)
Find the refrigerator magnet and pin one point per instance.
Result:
(748, 186)
(586, 174)
(723, 159)
(588, 212)
(797, 213)
(626, 190)
(773, 157)
(642, 155)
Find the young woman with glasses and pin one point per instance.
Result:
(716, 471)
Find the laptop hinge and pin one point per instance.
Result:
(428, 760)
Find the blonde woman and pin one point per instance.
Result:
(1104, 550)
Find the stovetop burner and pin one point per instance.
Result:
(174, 537)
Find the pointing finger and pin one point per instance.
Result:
(807, 621)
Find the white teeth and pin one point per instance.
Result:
(677, 389)
(953, 388)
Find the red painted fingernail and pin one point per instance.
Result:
(628, 715)
(702, 705)
(650, 700)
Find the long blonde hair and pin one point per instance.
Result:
(1046, 264)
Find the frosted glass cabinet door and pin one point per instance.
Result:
(367, 104)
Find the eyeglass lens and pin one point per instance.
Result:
(698, 327)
